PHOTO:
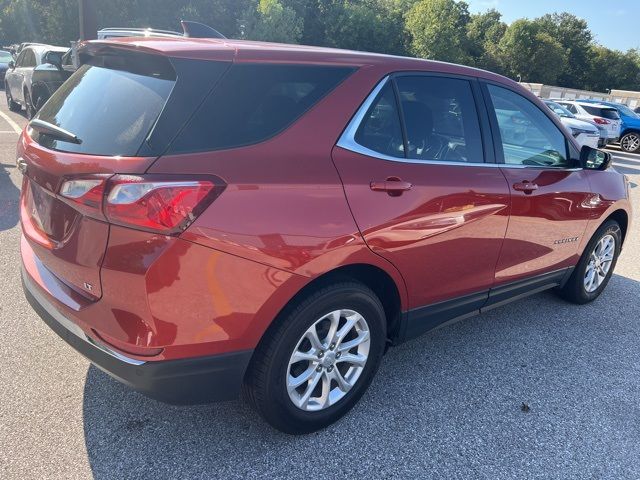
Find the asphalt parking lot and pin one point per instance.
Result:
(447, 405)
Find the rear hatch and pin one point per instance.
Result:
(104, 120)
(610, 114)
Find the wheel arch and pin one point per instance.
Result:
(622, 218)
(374, 277)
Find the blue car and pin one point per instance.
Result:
(630, 131)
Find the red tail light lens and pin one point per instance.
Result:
(157, 204)
(164, 204)
(601, 121)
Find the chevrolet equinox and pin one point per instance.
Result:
(202, 217)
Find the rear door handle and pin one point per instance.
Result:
(394, 186)
(525, 186)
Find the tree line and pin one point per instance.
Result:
(557, 49)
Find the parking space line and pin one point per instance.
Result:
(11, 123)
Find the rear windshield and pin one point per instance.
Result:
(609, 113)
(255, 102)
(110, 104)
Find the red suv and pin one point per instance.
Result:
(205, 216)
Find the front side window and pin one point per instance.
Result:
(20, 59)
(29, 59)
(440, 118)
(528, 136)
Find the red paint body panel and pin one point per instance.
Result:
(444, 235)
(545, 224)
(295, 207)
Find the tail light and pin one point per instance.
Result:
(85, 194)
(601, 121)
(164, 204)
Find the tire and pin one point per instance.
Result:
(13, 106)
(31, 111)
(268, 384)
(578, 289)
(630, 142)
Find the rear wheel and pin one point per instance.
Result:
(13, 106)
(630, 142)
(316, 363)
(592, 274)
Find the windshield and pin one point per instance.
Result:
(5, 57)
(559, 110)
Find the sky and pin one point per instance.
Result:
(613, 23)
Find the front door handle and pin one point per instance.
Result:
(394, 186)
(525, 186)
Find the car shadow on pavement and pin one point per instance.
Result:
(9, 199)
(539, 385)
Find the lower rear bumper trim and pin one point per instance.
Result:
(185, 381)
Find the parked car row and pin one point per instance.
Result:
(630, 126)
(586, 133)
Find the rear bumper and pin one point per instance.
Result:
(186, 381)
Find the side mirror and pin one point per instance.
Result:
(54, 58)
(12, 65)
(593, 159)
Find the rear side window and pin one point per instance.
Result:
(110, 104)
(440, 118)
(380, 130)
(255, 102)
(610, 113)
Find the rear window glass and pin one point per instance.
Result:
(110, 104)
(609, 113)
(255, 102)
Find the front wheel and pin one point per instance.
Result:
(13, 106)
(314, 365)
(31, 110)
(630, 142)
(592, 274)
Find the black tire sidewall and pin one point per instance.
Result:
(608, 228)
(283, 413)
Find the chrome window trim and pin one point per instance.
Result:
(348, 142)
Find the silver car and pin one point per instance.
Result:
(602, 115)
(17, 80)
(584, 132)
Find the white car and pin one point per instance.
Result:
(602, 115)
(584, 132)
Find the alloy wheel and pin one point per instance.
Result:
(599, 263)
(630, 142)
(328, 360)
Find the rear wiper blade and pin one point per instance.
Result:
(54, 131)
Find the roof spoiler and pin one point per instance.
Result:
(199, 30)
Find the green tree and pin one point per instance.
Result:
(273, 22)
(364, 26)
(438, 30)
(612, 69)
(531, 54)
(574, 36)
(485, 30)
